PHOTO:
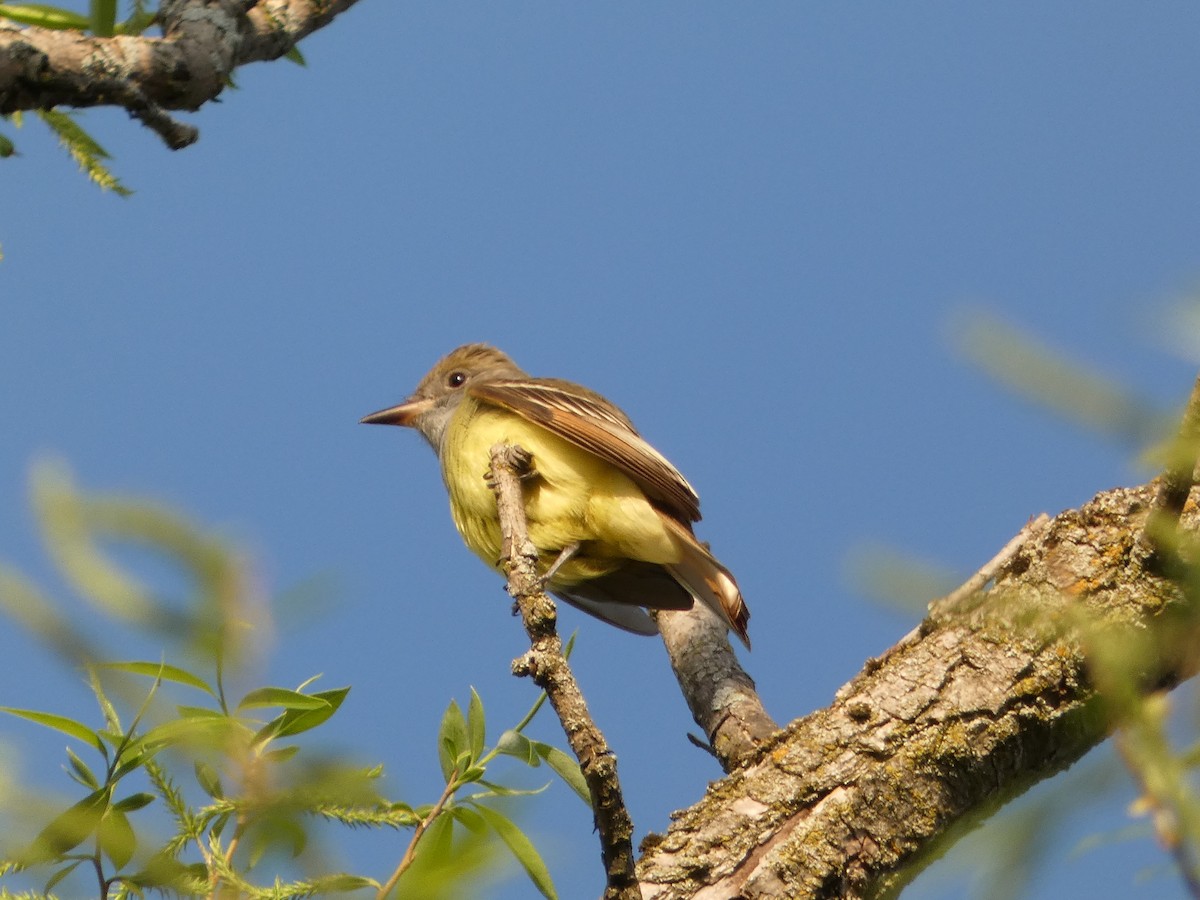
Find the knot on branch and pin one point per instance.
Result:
(526, 666)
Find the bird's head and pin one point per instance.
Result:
(439, 393)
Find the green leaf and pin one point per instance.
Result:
(111, 719)
(80, 772)
(163, 871)
(462, 762)
(513, 743)
(113, 738)
(134, 802)
(213, 731)
(61, 511)
(274, 833)
(132, 761)
(7, 147)
(470, 774)
(59, 876)
(296, 721)
(567, 768)
(69, 829)
(43, 16)
(141, 758)
(522, 848)
(75, 729)
(282, 754)
(24, 603)
(476, 725)
(438, 842)
(403, 814)
(163, 671)
(499, 790)
(199, 712)
(452, 739)
(306, 682)
(209, 780)
(296, 56)
(276, 696)
(117, 839)
(470, 819)
(89, 156)
(341, 883)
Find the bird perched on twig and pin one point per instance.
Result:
(610, 517)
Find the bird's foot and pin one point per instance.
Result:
(519, 460)
(563, 556)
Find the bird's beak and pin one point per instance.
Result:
(405, 414)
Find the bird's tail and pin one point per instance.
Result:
(709, 581)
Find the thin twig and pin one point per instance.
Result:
(216, 889)
(946, 607)
(1162, 797)
(548, 668)
(988, 570)
(410, 852)
(97, 865)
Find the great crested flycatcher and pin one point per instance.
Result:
(609, 515)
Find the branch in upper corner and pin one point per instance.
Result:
(203, 42)
(547, 666)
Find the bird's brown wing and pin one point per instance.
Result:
(589, 421)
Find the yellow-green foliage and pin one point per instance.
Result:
(188, 782)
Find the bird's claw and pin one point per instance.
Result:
(519, 460)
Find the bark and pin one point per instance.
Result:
(991, 693)
(202, 43)
(717, 689)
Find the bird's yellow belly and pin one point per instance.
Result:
(573, 497)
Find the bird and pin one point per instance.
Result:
(610, 516)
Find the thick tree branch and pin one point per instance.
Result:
(202, 43)
(990, 694)
(548, 668)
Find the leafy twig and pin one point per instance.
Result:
(410, 852)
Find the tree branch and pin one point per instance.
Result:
(718, 691)
(989, 695)
(548, 668)
(203, 42)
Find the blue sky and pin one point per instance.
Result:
(756, 227)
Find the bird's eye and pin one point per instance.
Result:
(456, 379)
